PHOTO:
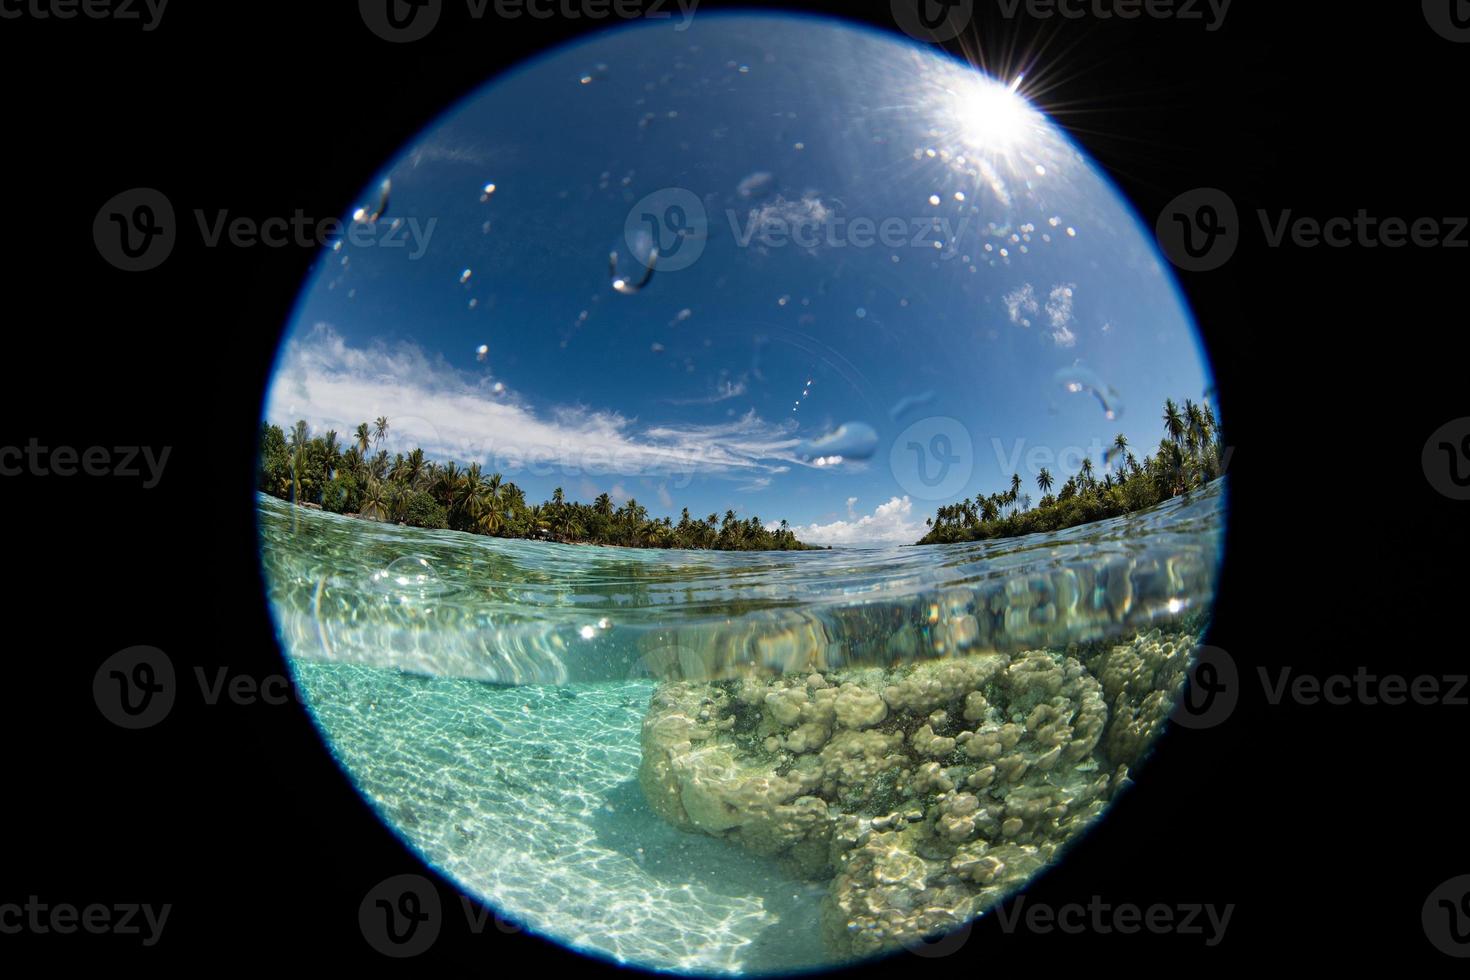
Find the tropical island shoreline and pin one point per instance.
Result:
(317, 473)
(1189, 455)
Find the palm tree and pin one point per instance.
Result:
(1194, 422)
(375, 501)
(1044, 480)
(1120, 446)
(468, 495)
(332, 454)
(299, 444)
(413, 467)
(539, 520)
(1173, 421)
(380, 428)
(444, 485)
(363, 439)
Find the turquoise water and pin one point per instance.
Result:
(488, 697)
(524, 612)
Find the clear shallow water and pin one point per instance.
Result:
(521, 612)
(528, 797)
(528, 793)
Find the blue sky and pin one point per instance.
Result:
(713, 385)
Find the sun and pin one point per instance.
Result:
(991, 116)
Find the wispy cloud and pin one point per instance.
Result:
(724, 391)
(460, 415)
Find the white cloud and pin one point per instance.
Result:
(459, 415)
(805, 210)
(890, 523)
(1059, 311)
(1021, 302)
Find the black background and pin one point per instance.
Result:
(1325, 826)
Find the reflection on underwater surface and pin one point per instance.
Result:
(519, 612)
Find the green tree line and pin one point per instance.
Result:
(358, 477)
(1188, 456)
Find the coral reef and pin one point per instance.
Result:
(924, 792)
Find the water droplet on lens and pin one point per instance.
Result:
(1080, 380)
(851, 440)
(369, 215)
(407, 574)
(909, 402)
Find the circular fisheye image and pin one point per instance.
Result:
(741, 499)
